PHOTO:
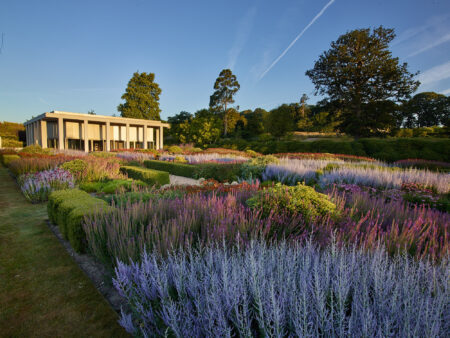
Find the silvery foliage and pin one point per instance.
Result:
(284, 291)
(387, 178)
(291, 171)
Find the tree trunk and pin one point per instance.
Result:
(225, 121)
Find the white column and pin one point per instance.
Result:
(60, 133)
(86, 136)
(108, 137)
(161, 137)
(145, 136)
(157, 139)
(43, 134)
(127, 142)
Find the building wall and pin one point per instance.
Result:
(47, 133)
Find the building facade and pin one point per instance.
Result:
(63, 130)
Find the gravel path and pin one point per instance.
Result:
(180, 180)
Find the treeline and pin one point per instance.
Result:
(426, 114)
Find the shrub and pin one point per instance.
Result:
(180, 159)
(175, 150)
(101, 168)
(179, 169)
(283, 291)
(91, 186)
(36, 187)
(148, 176)
(67, 209)
(36, 149)
(299, 199)
(226, 172)
(76, 167)
(8, 158)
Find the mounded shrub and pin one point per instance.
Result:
(299, 199)
(179, 169)
(76, 167)
(7, 158)
(175, 150)
(146, 175)
(67, 208)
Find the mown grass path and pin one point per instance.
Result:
(43, 293)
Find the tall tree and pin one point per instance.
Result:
(358, 70)
(141, 98)
(226, 86)
(426, 109)
(303, 100)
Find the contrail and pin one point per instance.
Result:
(297, 37)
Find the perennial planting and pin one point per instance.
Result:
(288, 245)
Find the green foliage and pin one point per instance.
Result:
(204, 128)
(112, 186)
(36, 149)
(426, 109)
(255, 122)
(222, 172)
(11, 133)
(280, 120)
(175, 150)
(141, 98)
(386, 149)
(134, 196)
(75, 167)
(67, 208)
(299, 199)
(179, 169)
(148, 176)
(8, 158)
(357, 73)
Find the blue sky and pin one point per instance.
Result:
(79, 55)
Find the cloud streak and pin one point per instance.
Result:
(437, 73)
(297, 37)
(243, 32)
(433, 44)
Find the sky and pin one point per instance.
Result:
(79, 55)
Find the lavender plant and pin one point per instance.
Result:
(284, 291)
(37, 186)
(135, 156)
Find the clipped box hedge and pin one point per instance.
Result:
(8, 158)
(67, 208)
(146, 175)
(179, 169)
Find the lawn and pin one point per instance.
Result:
(42, 291)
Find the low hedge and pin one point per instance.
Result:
(222, 172)
(388, 149)
(8, 158)
(146, 175)
(179, 169)
(67, 208)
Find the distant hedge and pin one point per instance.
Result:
(148, 176)
(180, 169)
(389, 149)
(67, 208)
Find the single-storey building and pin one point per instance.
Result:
(63, 130)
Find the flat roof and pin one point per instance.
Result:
(97, 118)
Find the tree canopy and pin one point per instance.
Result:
(426, 109)
(141, 98)
(359, 71)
